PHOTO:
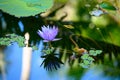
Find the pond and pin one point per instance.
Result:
(70, 39)
(13, 55)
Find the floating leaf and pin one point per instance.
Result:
(92, 52)
(86, 62)
(48, 50)
(98, 51)
(10, 38)
(85, 56)
(24, 8)
(83, 65)
(90, 59)
(106, 5)
(95, 52)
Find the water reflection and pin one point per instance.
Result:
(97, 73)
(13, 55)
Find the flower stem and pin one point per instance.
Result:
(49, 44)
(76, 45)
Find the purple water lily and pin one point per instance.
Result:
(48, 33)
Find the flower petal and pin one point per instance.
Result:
(46, 41)
(48, 33)
(40, 34)
(56, 39)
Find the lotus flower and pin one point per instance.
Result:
(48, 33)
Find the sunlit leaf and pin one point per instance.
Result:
(23, 8)
(69, 26)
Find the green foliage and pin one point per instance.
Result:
(96, 32)
(106, 5)
(24, 8)
(48, 50)
(63, 1)
(85, 56)
(12, 38)
(95, 52)
(87, 60)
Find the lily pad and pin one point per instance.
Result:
(85, 56)
(95, 52)
(24, 8)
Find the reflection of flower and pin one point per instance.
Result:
(51, 62)
(48, 33)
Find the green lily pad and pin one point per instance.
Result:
(24, 8)
(86, 62)
(98, 51)
(90, 59)
(85, 56)
(95, 52)
(84, 65)
(92, 52)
